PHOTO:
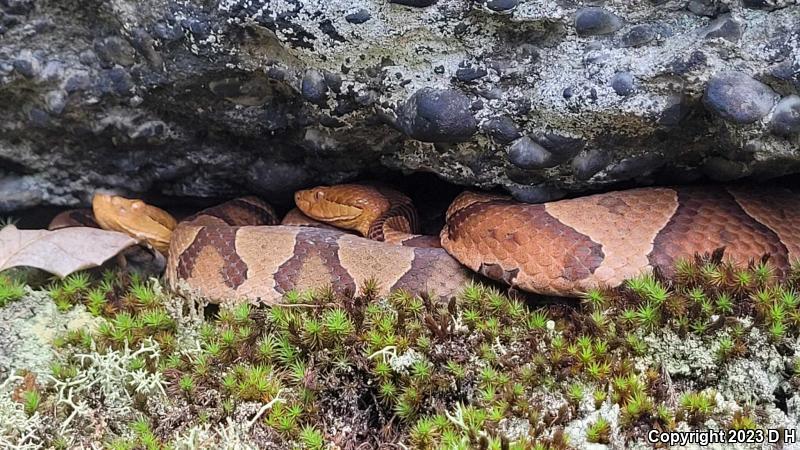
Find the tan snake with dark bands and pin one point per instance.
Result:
(237, 251)
(568, 246)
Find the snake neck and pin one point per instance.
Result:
(400, 222)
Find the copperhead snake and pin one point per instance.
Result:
(238, 250)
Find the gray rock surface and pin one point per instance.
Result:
(224, 97)
(27, 329)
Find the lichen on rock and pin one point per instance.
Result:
(181, 98)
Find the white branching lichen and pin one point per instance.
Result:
(231, 435)
(18, 431)
(109, 375)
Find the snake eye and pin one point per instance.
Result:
(319, 195)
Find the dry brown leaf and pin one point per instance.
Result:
(60, 252)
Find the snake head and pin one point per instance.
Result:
(347, 206)
(135, 218)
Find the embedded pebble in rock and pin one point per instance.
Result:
(787, 72)
(277, 73)
(438, 115)
(563, 148)
(18, 192)
(25, 67)
(501, 5)
(623, 84)
(467, 74)
(524, 177)
(197, 27)
(765, 4)
(635, 167)
(738, 98)
(692, 63)
(417, 3)
(358, 17)
(708, 8)
(56, 101)
(589, 163)
(333, 81)
(76, 83)
(525, 153)
(639, 36)
(726, 28)
(6, 68)
(167, 32)
(345, 90)
(502, 129)
(595, 20)
(786, 116)
(314, 88)
(114, 81)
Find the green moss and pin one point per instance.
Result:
(697, 406)
(31, 401)
(438, 373)
(599, 431)
(145, 437)
(311, 438)
(75, 284)
(10, 290)
(121, 444)
(742, 421)
(576, 393)
(186, 384)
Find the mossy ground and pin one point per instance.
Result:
(715, 347)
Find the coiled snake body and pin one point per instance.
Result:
(238, 251)
(568, 246)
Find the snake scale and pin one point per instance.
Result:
(238, 250)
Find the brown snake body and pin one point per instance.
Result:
(237, 251)
(567, 246)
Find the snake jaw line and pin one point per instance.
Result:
(347, 206)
